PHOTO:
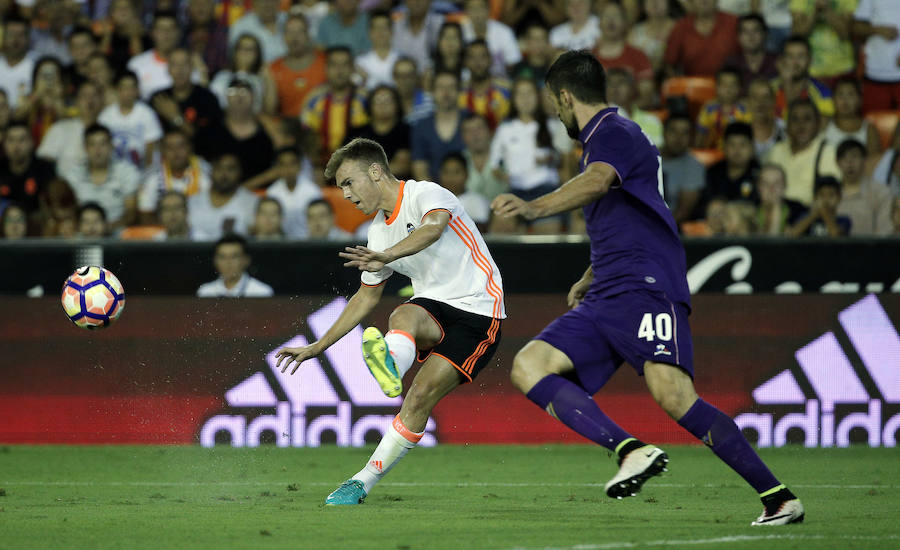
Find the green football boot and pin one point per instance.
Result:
(381, 364)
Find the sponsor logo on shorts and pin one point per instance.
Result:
(661, 349)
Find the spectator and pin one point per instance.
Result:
(245, 64)
(438, 134)
(718, 113)
(752, 61)
(848, 121)
(866, 202)
(205, 35)
(522, 149)
(537, 55)
(702, 41)
(294, 190)
(226, 207)
(103, 179)
(768, 129)
(621, 91)
(448, 53)
(48, 36)
(265, 22)
(581, 29)
(878, 21)
(22, 175)
(453, 176)
(187, 106)
(476, 135)
(775, 214)
(651, 34)
(268, 221)
(376, 65)
(64, 140)
(59, 201)
(46, 102)
(777, 15)
(82, 44)
(715, 217)
(484, 94)
(320, 221)
(805, 155)
(387, 128)
(243, 134)
(794, 81)
(134, 125)
(895, 215)
(16, 63)
(826, 24)
(100, 73)
(822, 219)
(152, 66)
(499, 38)
(683, 175)
(122, 35)
(314, 11)
(172, 215)
(739, 219)
(92, 222)
(346, 25)
(178, 169)
(613, 50)
(300, 71)
(734, 177)
(231, 261)
(416, 31)
(519, 15)
(13, 222)
(416, 102)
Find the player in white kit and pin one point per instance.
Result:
(453, 319)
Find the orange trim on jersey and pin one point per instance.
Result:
(407, 434)
(457, 367)
(436, 210)
(403, 333)
(372, 286)
(396, 211)
(481, 261)
(482, 347)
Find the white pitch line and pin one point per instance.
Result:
(717, 540)
(460, 485)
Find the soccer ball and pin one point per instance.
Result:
(93, 297)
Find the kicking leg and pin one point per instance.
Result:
(434, 380)
(673, 390)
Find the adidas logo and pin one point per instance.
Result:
(338, 397)
(836, 383)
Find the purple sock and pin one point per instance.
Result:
(572, 406)
(721, 434)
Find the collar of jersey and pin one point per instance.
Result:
(594, 123)
(396, 211)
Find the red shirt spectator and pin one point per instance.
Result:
(700, 43)
(631, 59)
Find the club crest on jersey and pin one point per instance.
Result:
(410, 228)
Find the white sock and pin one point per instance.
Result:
(403, 349)
(397, 441)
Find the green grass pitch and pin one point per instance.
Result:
(454, 497)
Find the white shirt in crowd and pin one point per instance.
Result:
(294, 201)
(64, 142)
(457, 269)
(160, 179)
(16, 79)
(501, 42)
(476, 205)
(122, 182)
(247, 287)
(417, 46)
(562, 36)
(131, 132)
(378, 71)
(515, 149)
(881, 54)
(271, 44)
(209, 223)
(153, 73)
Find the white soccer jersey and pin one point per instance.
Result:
(457, 269)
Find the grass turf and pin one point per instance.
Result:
(455, 497)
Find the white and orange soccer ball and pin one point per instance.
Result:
(93, 297)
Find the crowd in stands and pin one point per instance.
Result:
(196, 119)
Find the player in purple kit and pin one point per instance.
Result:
(632, 303)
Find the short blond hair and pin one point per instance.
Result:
(360, 150)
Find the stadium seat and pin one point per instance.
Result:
(697, 89)
(885, 122)
(708, 157)
(141, 232)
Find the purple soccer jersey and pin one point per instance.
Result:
(634, 240)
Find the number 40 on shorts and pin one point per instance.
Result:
(662, 322)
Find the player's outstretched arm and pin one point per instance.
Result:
(583, 189)
(360, 305)
(433, 225)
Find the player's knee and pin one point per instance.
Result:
(675, 403)
(525, 372)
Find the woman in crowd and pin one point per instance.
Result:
(848, 121)
(386, 126)
(46, 102)
(246, 64)
(448, 53)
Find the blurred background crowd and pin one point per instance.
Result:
(193, 119)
